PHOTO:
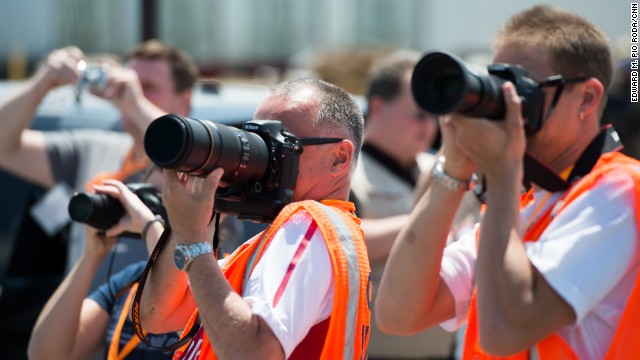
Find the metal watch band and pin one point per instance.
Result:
(449, 182)
(192, 251)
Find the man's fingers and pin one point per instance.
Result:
(513, 103)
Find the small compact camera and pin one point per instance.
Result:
(92, 77)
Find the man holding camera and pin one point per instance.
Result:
(299, 289)
(551, 270)
(157, 79)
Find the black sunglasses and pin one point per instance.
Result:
(559, 81)
(318, 141)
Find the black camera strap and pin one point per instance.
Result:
(390, 164)
(135, 310)
(537, 173)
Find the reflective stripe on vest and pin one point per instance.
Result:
(353, 269)
(348, 253)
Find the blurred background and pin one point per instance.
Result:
(248, 42)
(265, 38)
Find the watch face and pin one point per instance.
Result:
(180, 258)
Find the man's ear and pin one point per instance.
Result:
(592, 96)
(342, 157)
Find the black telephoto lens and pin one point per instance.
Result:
(199, 146)
(442, 84)
(96, 210)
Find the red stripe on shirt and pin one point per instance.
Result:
(294, 261)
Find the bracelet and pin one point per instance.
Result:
(449, 182)
(147, 226)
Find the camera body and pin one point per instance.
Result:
(442, 83)
(103, 212)
(260, 160)
(93, 77)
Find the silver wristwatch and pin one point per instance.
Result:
(183, 255)
(452, 183)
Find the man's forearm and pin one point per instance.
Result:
(166, 303)
(411, 288)
(17, 112)
(504, 274)
(140, 114)
(380, 234)
(232, 328)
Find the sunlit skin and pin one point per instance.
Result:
(557, 149)
(313, 160)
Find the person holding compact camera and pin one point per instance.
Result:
(156, 79)
(299, 289)
(552, 268)
(76, 323)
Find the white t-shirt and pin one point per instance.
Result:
(588, 254)
(307, 298)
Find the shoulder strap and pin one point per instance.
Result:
(135, 311)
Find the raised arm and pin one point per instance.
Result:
(232, 328)
(22, 151)
(412, 296)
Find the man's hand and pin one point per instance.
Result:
(122, 88)
(495, 147)
(61, 67)
(137, 214)
(98, 244)
(189, 202)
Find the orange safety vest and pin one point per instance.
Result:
(626, 341)
(128, 168)
(345, 335)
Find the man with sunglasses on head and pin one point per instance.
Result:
(550, 271)
(298, 290)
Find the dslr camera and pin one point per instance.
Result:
(442, 83)
(260, 160)
(92, 77)
(102, 212)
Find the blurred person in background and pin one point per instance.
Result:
(397, 138)
(397, 156)
(156, 79)
(552, 271)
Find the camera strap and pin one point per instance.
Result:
(535, 172)
(135, 310)
(390, 164)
